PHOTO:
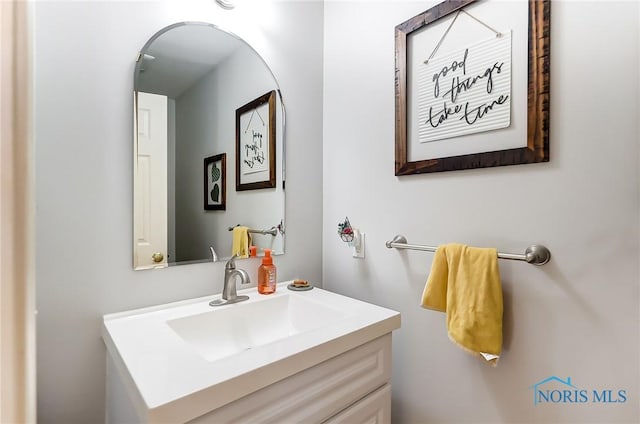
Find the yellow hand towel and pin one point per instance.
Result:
(240, 244)
(465, 283)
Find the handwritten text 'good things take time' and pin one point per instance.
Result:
(461, 83)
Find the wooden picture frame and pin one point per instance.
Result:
(537, 121)
(215, 182)
(256, 143)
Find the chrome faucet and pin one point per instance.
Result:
(229, 292)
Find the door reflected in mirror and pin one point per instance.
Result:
(191, 80)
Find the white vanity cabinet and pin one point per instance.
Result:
(324, 358)
(350, 388)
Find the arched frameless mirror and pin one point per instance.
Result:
(208, 147)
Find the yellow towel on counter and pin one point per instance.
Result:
(241, 242)
(464, 282)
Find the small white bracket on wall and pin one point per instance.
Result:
(357, 245)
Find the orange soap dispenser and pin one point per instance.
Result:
(267, 274)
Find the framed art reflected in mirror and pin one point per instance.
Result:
(256, 143)
(215, 182)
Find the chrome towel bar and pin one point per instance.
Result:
(535, 254)
(273, 231)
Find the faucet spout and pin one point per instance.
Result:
(229, 290)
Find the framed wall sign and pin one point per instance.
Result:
(256, 143)
(472, 86)
(215, 182)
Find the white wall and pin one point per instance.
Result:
(84, 58)
(575, 317)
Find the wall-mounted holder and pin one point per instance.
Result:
(353, 237)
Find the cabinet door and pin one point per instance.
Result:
(373, 409)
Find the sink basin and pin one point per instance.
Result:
(226, 331)
(180, 360)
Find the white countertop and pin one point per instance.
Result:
(173, 382)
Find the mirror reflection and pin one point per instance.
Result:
(208, 149)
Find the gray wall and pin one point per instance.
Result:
(575, 317)
(84, 57)
(235, 82)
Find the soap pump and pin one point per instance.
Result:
(267, 274)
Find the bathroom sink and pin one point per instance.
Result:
(182, 359)
(225, 331)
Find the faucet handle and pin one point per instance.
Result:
(231, 262)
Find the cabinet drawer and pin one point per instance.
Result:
(316, 394)
(374, 409)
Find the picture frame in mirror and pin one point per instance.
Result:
(215, 182)
(256, 143)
